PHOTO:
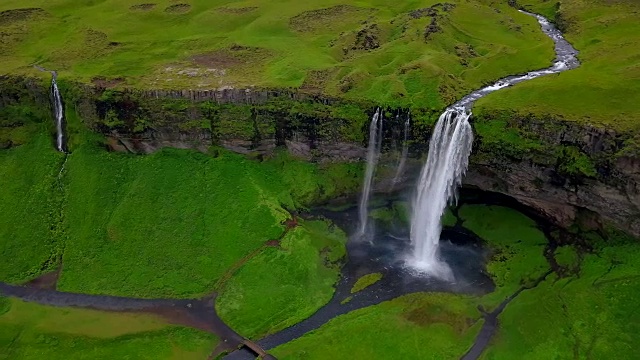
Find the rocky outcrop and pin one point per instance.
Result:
(538, 187)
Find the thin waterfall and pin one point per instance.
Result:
(373, 153)
(449, 151)
(403, 155)
(59, 114)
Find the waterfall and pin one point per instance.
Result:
(403, 155)
(448, 157)
(373, 153)
(449, 151)
(59, 114)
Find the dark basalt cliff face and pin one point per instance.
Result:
(574, 173)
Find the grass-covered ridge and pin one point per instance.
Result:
(605, 89)
(589, 312)
(166, 225)
(31, 198)
(176, 220)
(421, 51)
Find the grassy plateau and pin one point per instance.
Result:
(414, 52)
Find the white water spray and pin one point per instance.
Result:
(449, 151)
(373, 153)
(59, 114)
(403, 155)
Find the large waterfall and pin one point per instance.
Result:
(447, 161)
(449, 151)
(59, 114)
(373, 153)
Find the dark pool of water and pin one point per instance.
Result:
(385, 251)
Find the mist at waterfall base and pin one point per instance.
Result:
(416, 247)
(449, 150)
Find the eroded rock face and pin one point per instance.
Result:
(550, 177)
(537, 187)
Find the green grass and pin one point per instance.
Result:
(171, 224)
(449, 321)
(592, 314)
(30, 331)
(30, 198)
(181, 214)
(168, 224)
(605, 89)
(277, 44)
(416, 326)
(516, 243)
(365, 281)
(284, 285)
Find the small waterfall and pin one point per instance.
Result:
(449, 151)
(59, 114)
(403, 155)
(373, 153)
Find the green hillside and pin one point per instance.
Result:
(419, 52)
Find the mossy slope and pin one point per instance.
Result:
(285, 283)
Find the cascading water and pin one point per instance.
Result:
(59, 114)
(373, 153)
(449, 151)
(447, 161)
(403, 155)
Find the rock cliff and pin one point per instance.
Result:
(575, 173)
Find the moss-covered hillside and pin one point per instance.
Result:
(421, 52)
